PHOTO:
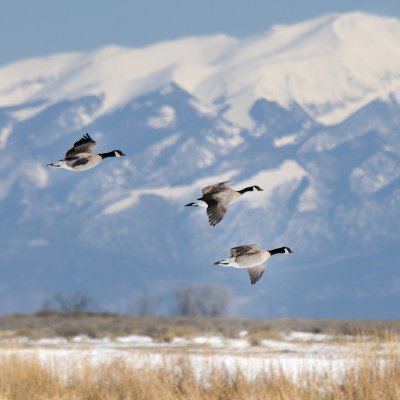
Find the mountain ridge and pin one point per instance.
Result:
(209, 67)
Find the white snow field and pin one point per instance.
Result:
(294, 354)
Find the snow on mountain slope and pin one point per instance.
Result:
(331, 66)
(115, 73)
(175, 194)
(288, 171)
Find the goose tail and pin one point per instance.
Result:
(197, 203)
(228, 262)
(57, 164)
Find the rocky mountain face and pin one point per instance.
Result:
(309, 112)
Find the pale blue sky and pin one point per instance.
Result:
(33, 28)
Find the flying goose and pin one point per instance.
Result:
(81, 157)
(252, 258)
(216, 198)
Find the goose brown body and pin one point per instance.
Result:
(250, 257)
(80, 157)
(217, 198)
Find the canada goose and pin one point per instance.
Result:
(249, 256)
(217, 199)
(81, 157)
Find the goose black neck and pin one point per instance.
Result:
(106, 155)
(276, 251)
(247, 189)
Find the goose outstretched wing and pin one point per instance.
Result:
(84, 145)
(246, 248)
(255, 273)
(215, 188)
(216, 211)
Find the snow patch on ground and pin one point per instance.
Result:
(135, 340)
(296, 353)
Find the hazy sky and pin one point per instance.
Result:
(39, 27)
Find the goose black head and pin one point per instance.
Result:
(118, 153)
(284, 250)
(255, 187)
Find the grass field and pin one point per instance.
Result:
(21, 378)
(92, 356)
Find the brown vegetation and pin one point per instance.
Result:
(25, 378)
(51, 324)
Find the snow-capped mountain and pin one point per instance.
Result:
(310, 112)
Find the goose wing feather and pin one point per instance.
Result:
(77, 161)
(246, 248)
(216, 211)
(84, 145)
(215, 188)
(255, 273)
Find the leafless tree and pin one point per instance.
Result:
(77, 301)
(207, 300)
(147, 304)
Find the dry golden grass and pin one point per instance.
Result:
(26, 379)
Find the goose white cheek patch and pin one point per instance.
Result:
(201, 203)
